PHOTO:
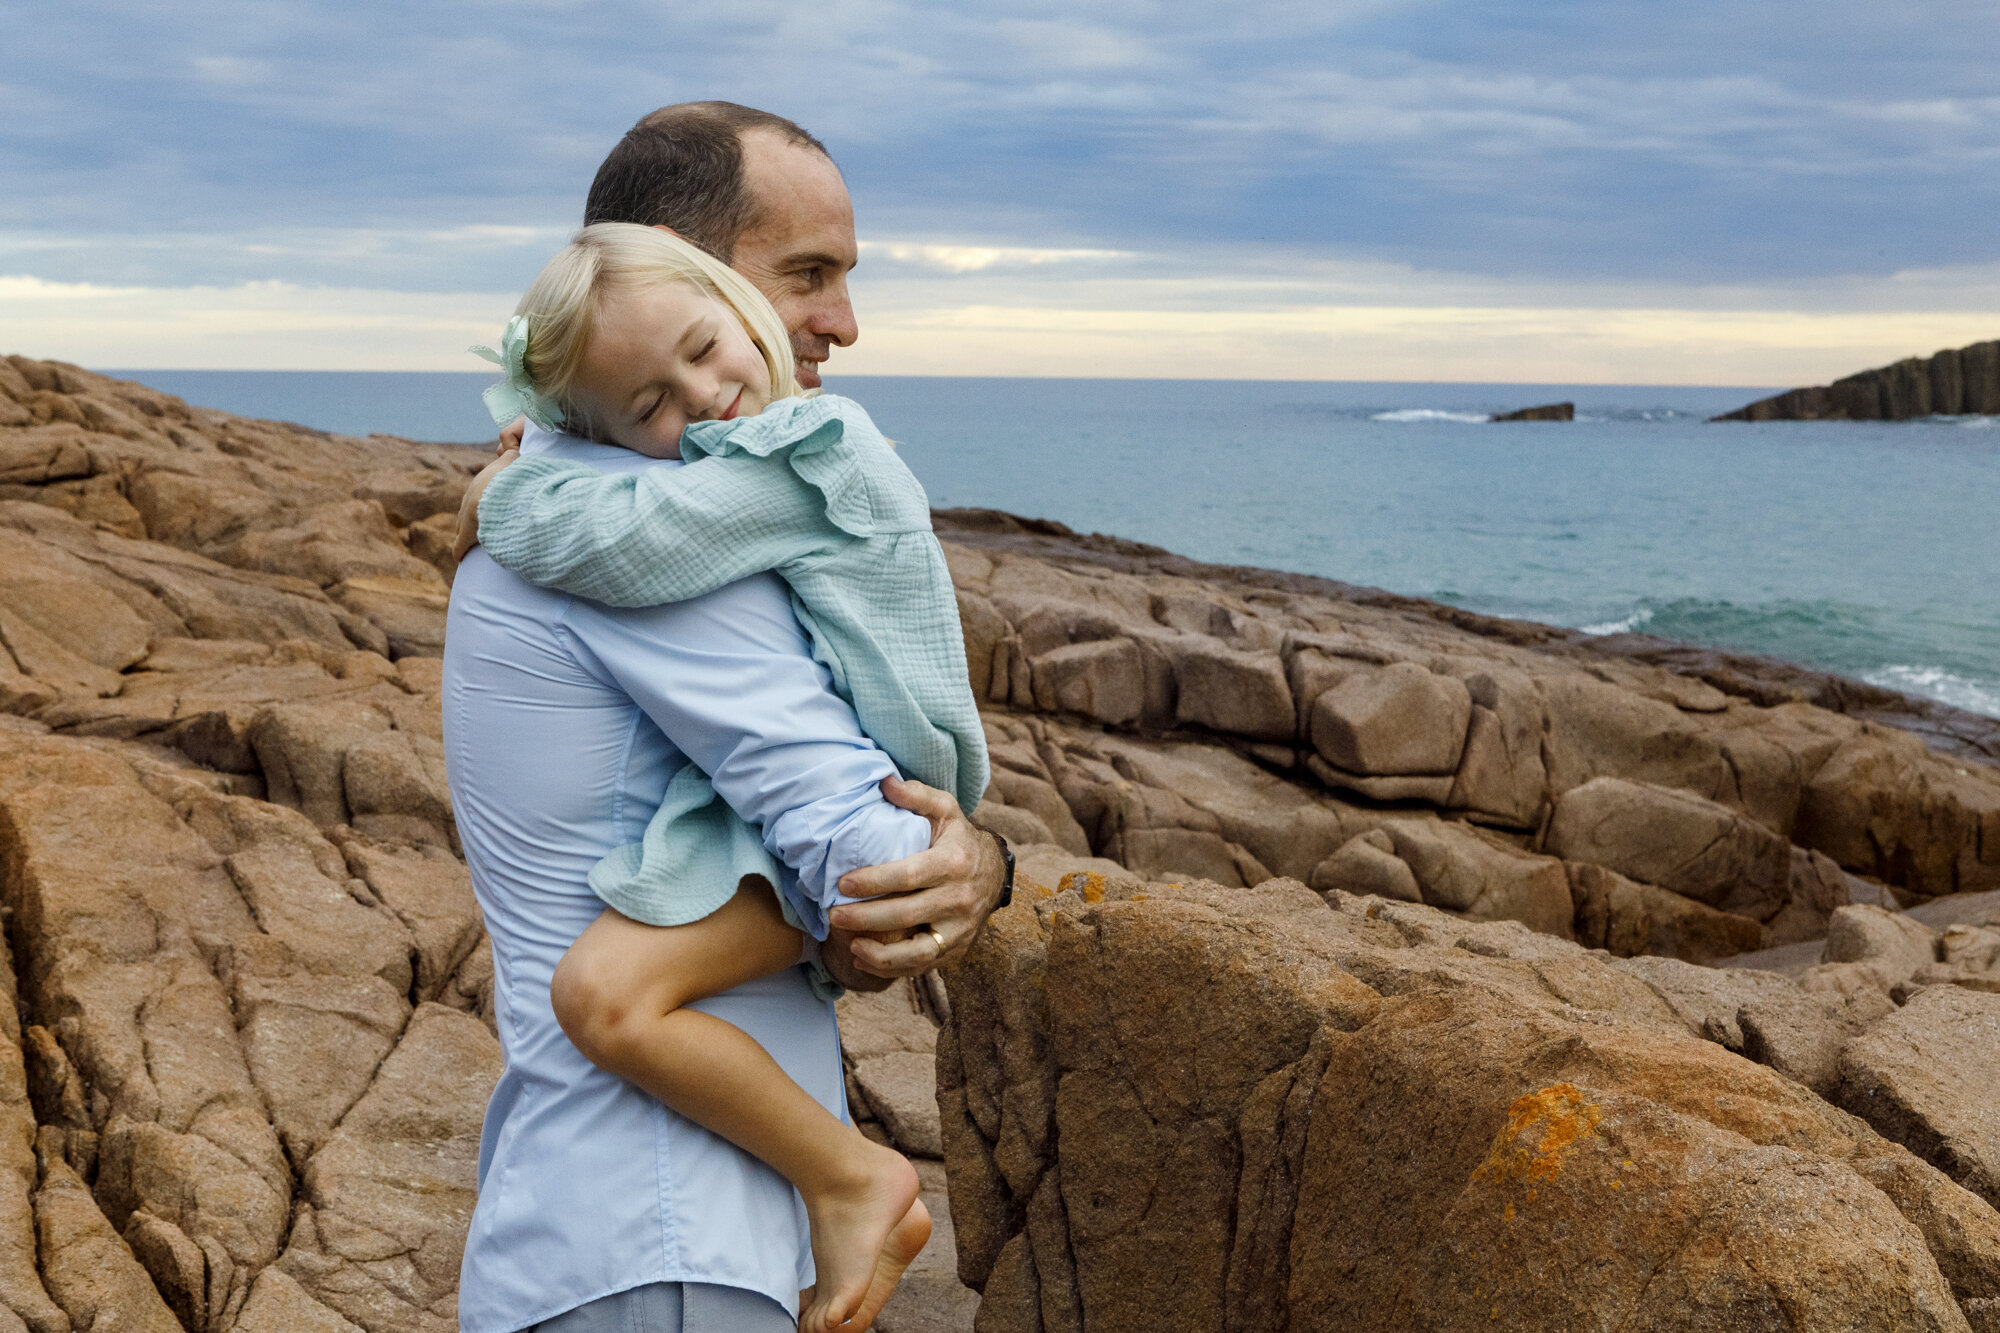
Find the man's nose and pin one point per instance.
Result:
(832, 315)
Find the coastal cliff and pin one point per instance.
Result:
(1362, 960)
(1950, 383)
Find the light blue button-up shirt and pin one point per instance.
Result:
(564, 721)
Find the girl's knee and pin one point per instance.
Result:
(602, 1016)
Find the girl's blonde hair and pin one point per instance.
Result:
(561, 304)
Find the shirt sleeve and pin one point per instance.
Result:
(664, 534)
(730, 679)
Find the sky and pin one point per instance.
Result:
(1550, 191)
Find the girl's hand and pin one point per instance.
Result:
(468, 508)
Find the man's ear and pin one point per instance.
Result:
(661, 226)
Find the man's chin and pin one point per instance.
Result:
(808, 375)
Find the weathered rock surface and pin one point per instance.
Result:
(1949, 383)
(1927, 1075)
(1375, 1115)
(254, 1027)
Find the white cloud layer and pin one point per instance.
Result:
(945, 309)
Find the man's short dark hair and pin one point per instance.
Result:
(682, 167)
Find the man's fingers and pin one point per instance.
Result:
(903, 958)
(919, 799)
(920, 870)
(941, 863)
(939, 907)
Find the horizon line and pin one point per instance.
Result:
(919, 375)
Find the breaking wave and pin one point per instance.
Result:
(1405, 414)
(1947, 687)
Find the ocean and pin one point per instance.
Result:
(1869, 549)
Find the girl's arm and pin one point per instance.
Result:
(648, 538)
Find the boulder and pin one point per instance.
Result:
(1882, 807)
(1896, 945)
(1367, 864)
(1202, 1072)
(1675, 840)
(313, 1044)
(409, 612)
(1597, 729)
(1925, 1076)
(380, 1227)
(302, 750)
(1818, 888)
(21, 1290)
(1104, 681)
(901, 1088)
(86, 1265)
(1396, 720)
(430, 892)
(327, 544)
(1229, 690)
(278, 1304)
(1626, 917)
(1708, 1000)
(1501, 778)
(1801, 1036)
(1457, 868)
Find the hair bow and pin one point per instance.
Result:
(515, 396)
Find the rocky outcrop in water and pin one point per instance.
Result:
(1546, 412)
(241, 1083)
(1949, 383)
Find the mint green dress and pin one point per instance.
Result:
(808, 489)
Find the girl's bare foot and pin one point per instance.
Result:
(864, 1234)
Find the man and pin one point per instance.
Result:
(598, 1208)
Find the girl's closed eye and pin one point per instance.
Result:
(643, 332)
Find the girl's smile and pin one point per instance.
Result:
(662, 355)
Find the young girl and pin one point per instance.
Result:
(632, 337)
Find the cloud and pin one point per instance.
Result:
(1145, 316)
(1561, 155)
(254, 326)
(979, 258)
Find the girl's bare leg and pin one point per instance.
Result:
(620, 994)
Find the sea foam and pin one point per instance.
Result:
(1406, 414)
(1947, 687)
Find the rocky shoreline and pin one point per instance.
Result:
(1364, 961)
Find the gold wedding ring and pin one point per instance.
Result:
(938, 940)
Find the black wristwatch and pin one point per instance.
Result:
(1007, 857)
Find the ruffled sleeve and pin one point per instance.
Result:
(830, 443)
(796, 481)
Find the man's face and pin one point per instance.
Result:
(800, 247)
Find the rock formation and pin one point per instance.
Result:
(1362, 1113)
(1386, 930)
(1964, 381)
(1546, 412)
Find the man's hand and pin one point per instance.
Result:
(468, 508)
(510, 436)
(836, 953)
(951, 887)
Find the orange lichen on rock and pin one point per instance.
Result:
(1089, 883)
(1564, 1119)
